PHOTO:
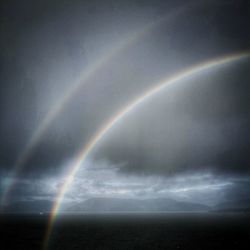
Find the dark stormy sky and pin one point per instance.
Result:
(190, 142)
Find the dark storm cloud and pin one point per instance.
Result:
(45, 45)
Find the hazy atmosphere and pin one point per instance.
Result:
(68, 68)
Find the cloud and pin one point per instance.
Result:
(103, 179)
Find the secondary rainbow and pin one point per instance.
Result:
(92, 70)
(85, 151)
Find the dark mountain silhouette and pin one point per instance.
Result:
(135, 205)
(28, 206)
(241, 205)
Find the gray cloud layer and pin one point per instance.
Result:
(100, 179)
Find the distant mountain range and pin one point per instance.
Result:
(134, 205)
(241, 205)
(99, 205)
(29, 206)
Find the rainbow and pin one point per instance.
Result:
(85, 151)
(92, 70)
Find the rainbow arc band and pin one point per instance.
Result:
(99, 135)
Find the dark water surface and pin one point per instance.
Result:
(128, 231)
